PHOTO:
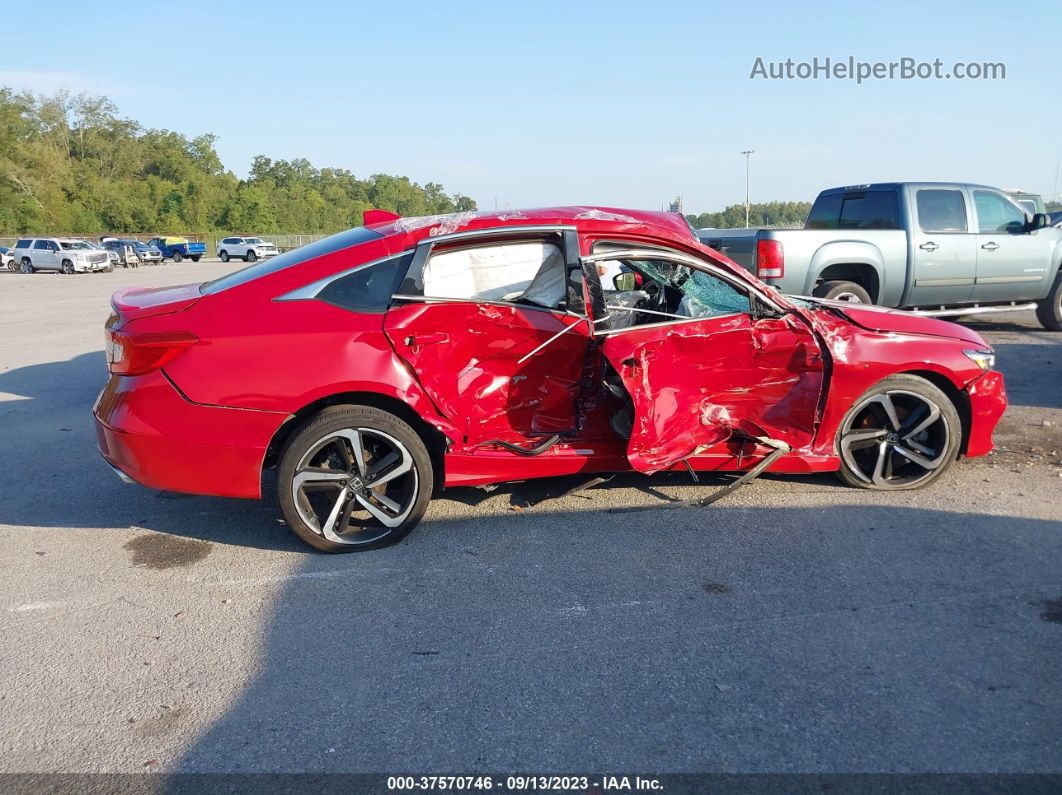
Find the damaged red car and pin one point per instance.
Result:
(371, 369)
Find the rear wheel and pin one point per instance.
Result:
(843, 291)
(194, 258)
(354, 478)
(224, 256)
(27, 265)
(1049, 311)
(177, 257)
(903, 433)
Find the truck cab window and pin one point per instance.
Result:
(997, 214)
(941, 210)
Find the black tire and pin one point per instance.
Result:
(250, 256)
(316, 448)
(194, 258)
(27, 265)
(177, 257)
(861, 445)
(1049, 311)
(67, 267)
(842, 291)
(224, 256)
(13, 265)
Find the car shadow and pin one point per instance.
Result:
(737, 639)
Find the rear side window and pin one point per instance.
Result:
(941, 210)
(265, 267)
(878, 209)
(24, 243)
(368, 288)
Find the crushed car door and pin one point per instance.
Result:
(705, 360)
(487, 331)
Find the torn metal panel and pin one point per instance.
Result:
(695, 384)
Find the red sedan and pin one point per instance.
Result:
(379, 365)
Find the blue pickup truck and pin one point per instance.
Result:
(178, 248)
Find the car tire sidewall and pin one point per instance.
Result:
(337, 418)
(251, 257)
(177, 257)
(67, 267)
(224, 256)
(829, 290)
(27, 265)
(926, 389)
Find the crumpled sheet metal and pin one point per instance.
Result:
(475, 376)
(690, 384)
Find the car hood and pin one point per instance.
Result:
(897, 321)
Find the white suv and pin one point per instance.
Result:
(59, 254)
(248, 248)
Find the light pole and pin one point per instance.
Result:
(748, 156)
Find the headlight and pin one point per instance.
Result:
(986, 360)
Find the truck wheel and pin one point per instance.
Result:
(27, 266)
(1049, 311)
(842, 291)
(177, 257)
(224, 256)
(67, 267)
(194, 258)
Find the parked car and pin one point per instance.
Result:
(178, 248)
(1055, 218)
(145, 254)
(59, 254)
(249, 249)
(943, 248)
(7, 259)
(372, 367)
(1032, 203)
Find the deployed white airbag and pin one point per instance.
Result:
(532, 271)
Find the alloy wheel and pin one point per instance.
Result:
(851, 298)
(895, 439)
(354, 485)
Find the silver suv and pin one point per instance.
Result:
(62, 254)
(248, 249)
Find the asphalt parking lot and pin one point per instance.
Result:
(798, 625)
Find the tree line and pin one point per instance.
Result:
(71, 164)
(765, 214)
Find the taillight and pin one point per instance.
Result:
(770, 262)
(136, 354)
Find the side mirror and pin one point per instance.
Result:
(625, 282)
(1039, 221)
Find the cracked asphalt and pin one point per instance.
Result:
(798, 625)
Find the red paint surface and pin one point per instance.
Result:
(260, 361)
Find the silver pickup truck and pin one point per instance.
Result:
(939, 248)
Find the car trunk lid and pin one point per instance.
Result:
(140, 302)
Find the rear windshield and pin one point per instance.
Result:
(877, 209)
(352, 237)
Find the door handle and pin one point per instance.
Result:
(930, 246)
(990, 246)
(427, 339)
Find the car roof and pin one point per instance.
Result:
(583, 218)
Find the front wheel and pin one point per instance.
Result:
(251, 257)
(177, 257)
(13, 265)
(224, 256)
(903, 433)
(354, 478)
(842, 291)
(1049, 311)
(67, 267)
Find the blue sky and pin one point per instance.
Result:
(525, 104)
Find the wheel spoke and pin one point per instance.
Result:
(353, 436)
(389, 469)
(921, 460)
(879, 466)
(934, 415)
(382, 516)
(318, 477)
(861, 440)
(885, 401)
